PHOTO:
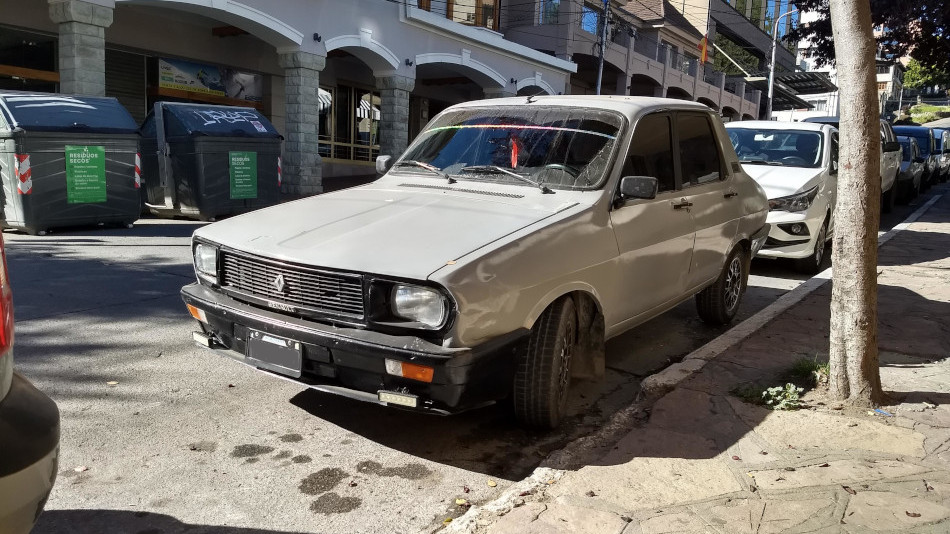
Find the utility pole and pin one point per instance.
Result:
(775, 25)
(603, 44)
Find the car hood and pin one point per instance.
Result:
(783, 181)
(391, 231)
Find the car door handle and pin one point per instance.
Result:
(683, 203)
(730, 194)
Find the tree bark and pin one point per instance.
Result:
(855, 374)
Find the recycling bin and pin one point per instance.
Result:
(66, 160)
(207, 161)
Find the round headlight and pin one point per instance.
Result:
(419, 304)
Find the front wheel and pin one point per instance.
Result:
(889, 198)
(718, 303)
(543, 376)
(812, 263)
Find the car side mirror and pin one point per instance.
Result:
(383, 164)
(644, 187)
(891, 146)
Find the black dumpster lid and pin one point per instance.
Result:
(222, 121)
(58, 113)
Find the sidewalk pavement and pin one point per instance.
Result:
(705, 461)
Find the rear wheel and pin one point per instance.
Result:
(812, 263)
(718, 303)
(543, 376)
(889, 198)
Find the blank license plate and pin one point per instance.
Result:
(274, 353)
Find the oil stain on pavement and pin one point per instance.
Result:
(250, 450)
(322, 481)
(331, 503)
(408, 471)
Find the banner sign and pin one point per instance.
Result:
(209, 79)
(243, 169)
(85, 174)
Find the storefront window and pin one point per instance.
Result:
(27, 61)
(349, 123)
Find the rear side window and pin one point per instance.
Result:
(698, 149)
(651, 151)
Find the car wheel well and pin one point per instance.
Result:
(590, 353)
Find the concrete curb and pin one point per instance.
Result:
(655, 386)
(664, 381)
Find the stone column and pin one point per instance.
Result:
(302, 167)
(499, 92)
(82, 40)
(394, 113)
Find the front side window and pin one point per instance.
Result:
(698, 149)
(651, 151)
(781, 148)
(560, 147)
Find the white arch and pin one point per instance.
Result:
(267, 28)
(536, 81)
(380, 59)
(489, 78)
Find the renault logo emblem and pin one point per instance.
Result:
(279, 283)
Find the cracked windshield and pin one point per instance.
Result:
(560, 148)
(782, 148)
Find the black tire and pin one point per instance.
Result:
(812, 263)
(717, 304)
(543, 375)
(889, 198)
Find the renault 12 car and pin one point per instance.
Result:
(797, 165)
(29, 431)
(492, 259)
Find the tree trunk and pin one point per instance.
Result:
(855, 376)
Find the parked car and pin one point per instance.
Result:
(942, 141)
(29, 431)
(796, 163)
(927, 145)
(912, 168)
(493, 258)
(890, 159)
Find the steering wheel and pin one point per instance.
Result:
(794, 160)
(562, 167)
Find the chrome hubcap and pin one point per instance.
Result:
(733, 282)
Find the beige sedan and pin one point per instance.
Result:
(494, 258)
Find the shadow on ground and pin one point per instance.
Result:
(128, 522)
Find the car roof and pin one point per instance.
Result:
(780, 125)
(628, 105)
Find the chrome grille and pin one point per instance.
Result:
(306, 288)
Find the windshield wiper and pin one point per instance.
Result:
(496, 168)
(759, 161)
(426, 166)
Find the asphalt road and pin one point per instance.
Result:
(160, 436)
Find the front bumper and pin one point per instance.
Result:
(351, 361)
(29, 441)
(783, 244)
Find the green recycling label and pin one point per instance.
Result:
(85, 174)
(243, 168)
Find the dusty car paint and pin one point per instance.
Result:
(505, 251)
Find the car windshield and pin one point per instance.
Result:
(785, 148)
(550, 147)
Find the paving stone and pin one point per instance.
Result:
(881, 511)
(849, 471)
(537, 518)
